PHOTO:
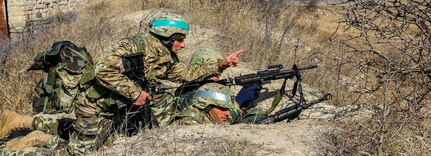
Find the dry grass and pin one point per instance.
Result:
(194, 142)
(271, 32)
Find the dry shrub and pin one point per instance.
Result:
(388, 56)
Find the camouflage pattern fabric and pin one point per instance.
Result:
(55, 124)
(164, 107)
(55, 146)
(33, 152)
(206, 57)
(90, 134)
(63, 65)
(192, 116)
(47, 123)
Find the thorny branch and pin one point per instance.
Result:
(389, 45)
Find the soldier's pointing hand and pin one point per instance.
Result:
(230, 60)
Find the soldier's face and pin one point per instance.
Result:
(178, 45)
(219, 115)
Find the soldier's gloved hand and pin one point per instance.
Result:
(142, 98)
(247, 95)
(230, 60)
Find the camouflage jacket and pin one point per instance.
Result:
(159, 63)
(192, 116)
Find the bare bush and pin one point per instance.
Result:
(388, 50)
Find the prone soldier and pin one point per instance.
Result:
(213, 102)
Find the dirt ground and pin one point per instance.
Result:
(299, 137)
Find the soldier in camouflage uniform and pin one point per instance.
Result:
(62, 66)
(213, 102)
(96, 108)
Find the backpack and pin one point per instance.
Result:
(62, 66)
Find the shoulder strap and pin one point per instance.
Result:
(140, 43)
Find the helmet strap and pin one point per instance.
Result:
(168, 42)
(207, 109)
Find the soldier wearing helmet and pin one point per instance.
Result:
(213, 102)
(171, 30)
(97, 107)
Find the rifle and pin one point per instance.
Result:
(134, 69)
(274, 72)
(292, 112)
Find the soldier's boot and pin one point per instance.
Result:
(33, 139)
(11, 121)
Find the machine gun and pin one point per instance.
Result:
(134, 69)
(274, 72)
(257, 116)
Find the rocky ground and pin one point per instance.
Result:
(304, 136)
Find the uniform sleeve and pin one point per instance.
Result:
(109, 71)
(191, 116)
(183, 72)
(186, 121)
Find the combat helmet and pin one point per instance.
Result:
(167, 24)
(205, 56)
(214, 94)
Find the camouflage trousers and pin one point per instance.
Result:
(164, 108)
(90, 134)
(32, 151)
(47, 123)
